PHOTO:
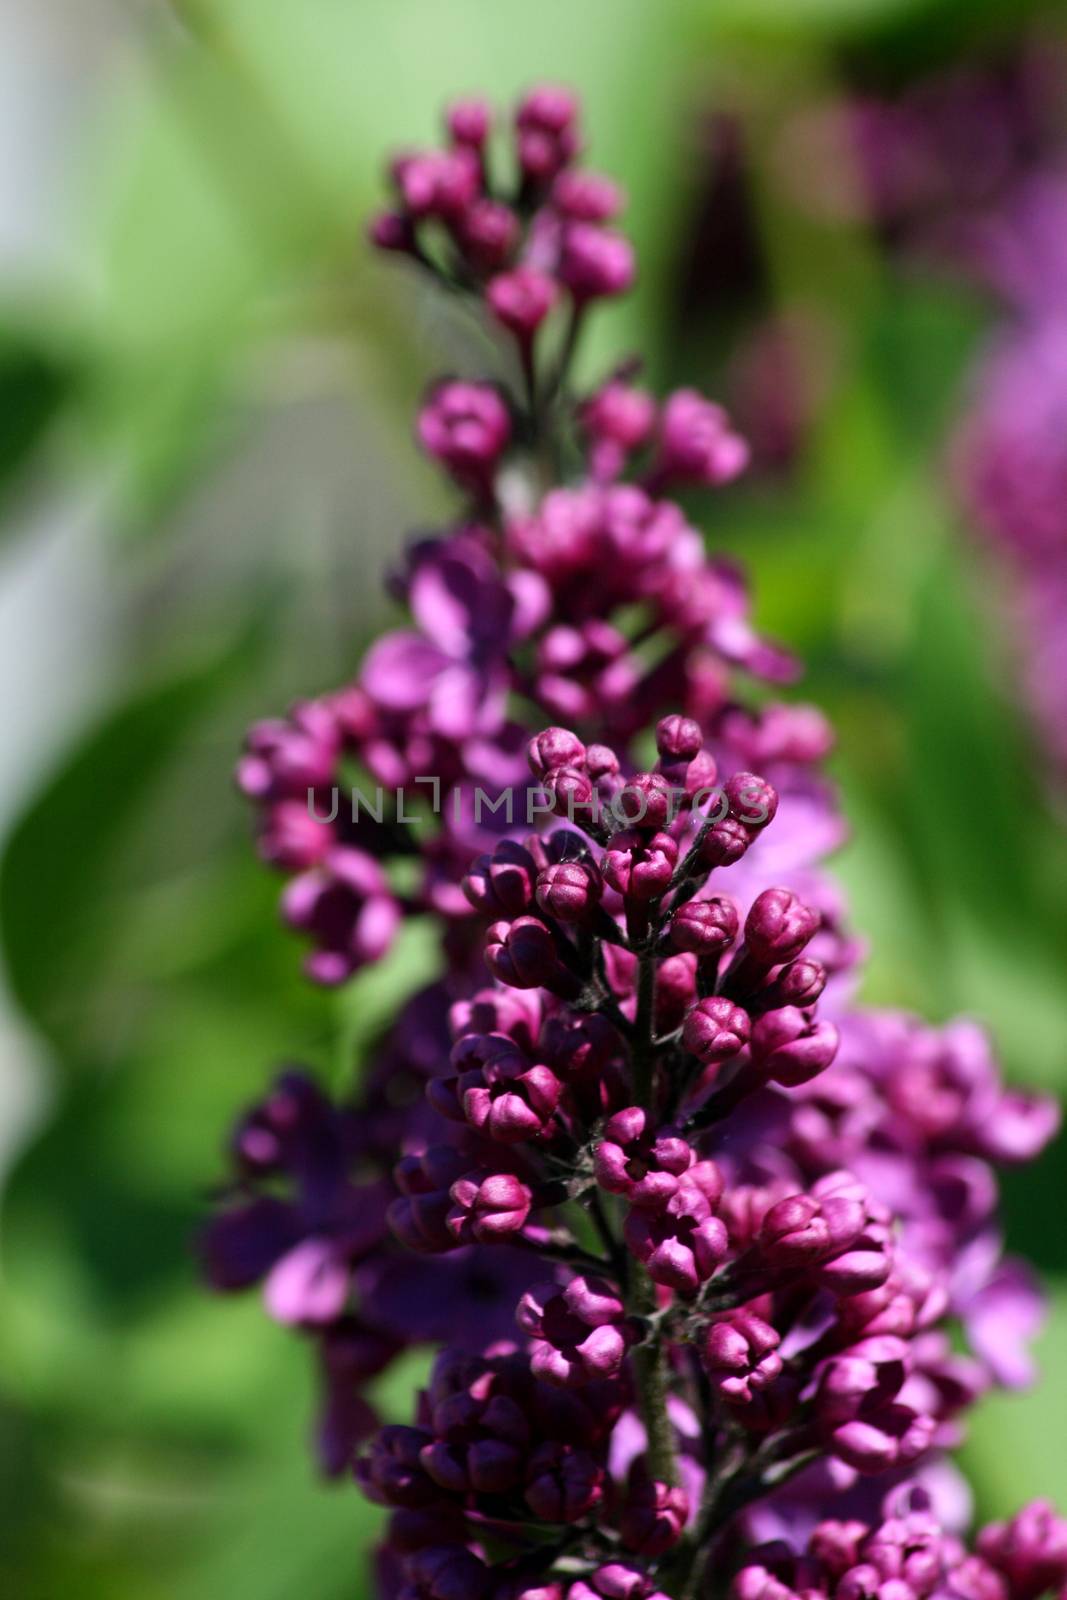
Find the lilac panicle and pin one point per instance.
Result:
(683, 1225)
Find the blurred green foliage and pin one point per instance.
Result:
(151, 1439)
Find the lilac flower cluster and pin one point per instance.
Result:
(694, 1236)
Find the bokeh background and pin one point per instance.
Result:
(206, 386)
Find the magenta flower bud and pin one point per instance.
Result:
(638, 1161)
(1030, 1550)
(438, 183)
(585, 196)
(554, 747)
(752, 801)
(653, 1516)
(595, 263)
(487, 1208)
(392, 230)
(697, 443)
(563, 1484)
(488, 232)
(467, 428)
(792, 1047)
(725, 842)
(778, 926)
(520, 300)
(705, 927)
(799, 984)
(801, 1231)
(740, 1355)
(546, 124)
(638, 867)
(682, 1244)
(345, 906)
(601, 762)
(715, 1030)
(569, 891)
(616, 420)
(498, 1091)
(678, 738)
(502, 885)
(895, 1436)
(615, 1581)
(646, 801)
(569, 792)
(576, 1333)
(865, 1378)
(523, 955)
(468, 122)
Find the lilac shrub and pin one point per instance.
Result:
(708, 1255)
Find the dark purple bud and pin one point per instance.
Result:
(569, 791)
(554, 747)
(792, 1047)
(725, 842)
(577, 1332)
(863, 1379)
(601, 761)
(799, 984)
(639, 867)
(683, 1243)
(595, 262)
(740, 1355)
(523, 955)
(715, 1029)
(646, 801)
(488, 1208)
(1030, 1550)
(570, 891)
(678, 738)
(802, 1231)
(895, 1436)
(520, 300)
(778, 926)
(391, 1473)
(705, 927)
(636, 1160)
(502, 884)
(653, 1516)
(562, 1484)
(752, 800)
(446, 1572)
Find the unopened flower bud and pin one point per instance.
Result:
(705, 927)
(792, 1047)
(554, 747)
(595, 262)
(778, 926)
(752, 800)
(520, 300)
(715, 1029)
(569, 891)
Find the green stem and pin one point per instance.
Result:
(652, 1377)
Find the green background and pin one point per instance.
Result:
(216, 389)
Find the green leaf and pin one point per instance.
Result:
(57, 866)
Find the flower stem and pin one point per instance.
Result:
(652, 1379)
